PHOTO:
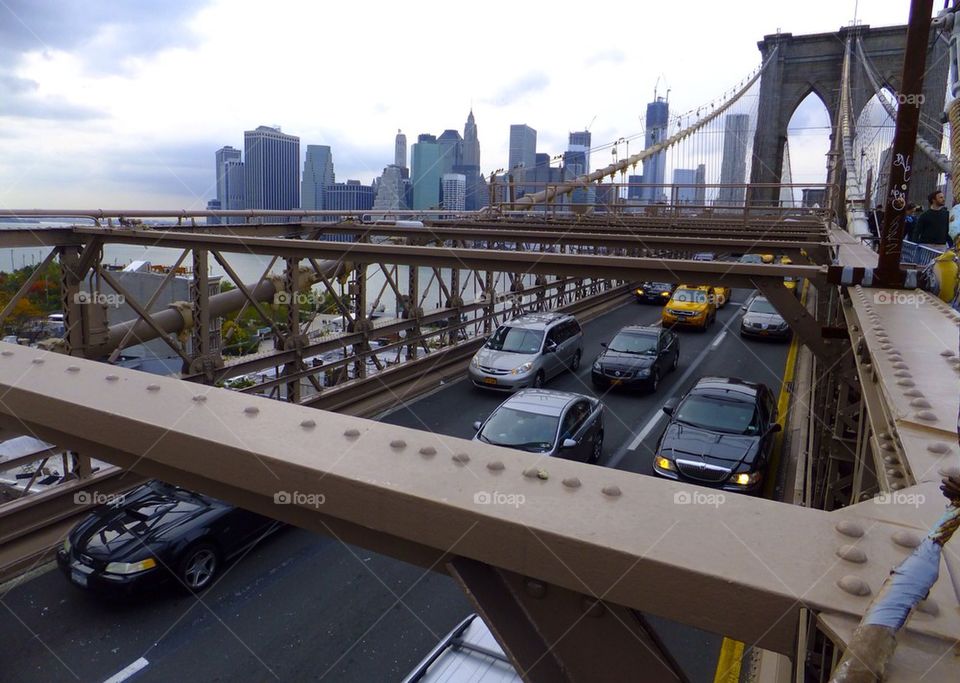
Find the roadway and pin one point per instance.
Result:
(302, 606)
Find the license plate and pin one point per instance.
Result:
(489, 380)
(79, 578)
(764, 333)
(615, 382)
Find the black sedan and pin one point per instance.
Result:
(154, 534)
(720, 434)
(637, 357)
(654, 292)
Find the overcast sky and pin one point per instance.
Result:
(121, 104)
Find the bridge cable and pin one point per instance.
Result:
(528, 201)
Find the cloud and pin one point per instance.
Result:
(130, 28)
(518, 89)
(612, 55)
(19, 98)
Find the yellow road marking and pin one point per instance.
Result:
(728, 664)
(731, 651)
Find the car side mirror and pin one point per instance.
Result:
(603, 344)
(551, 347)
(775, 427)
(670, 406)
(568, 443)
(744, 307)
(477, 425)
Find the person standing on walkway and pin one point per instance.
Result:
(933, 226)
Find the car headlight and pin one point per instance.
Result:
(643, 372)
(131, 567)
(640, 292)
(745, 478)
(66, 546)
(523, 368)
(597, 365)
(664, 293)
(475, 362)
(664, 463)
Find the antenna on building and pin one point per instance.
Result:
(587, 127)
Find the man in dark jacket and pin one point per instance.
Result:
(933, 226)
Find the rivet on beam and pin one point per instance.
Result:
(251, 410)
(571, 482)
(199, 398)
(848, 528)
(612, 491)
(37, 361)
(111, 378)
(854, 585)
(308, 424)
(153, 387)
(352, 433)
(398, 444)
(852, 553)
(428, 451)
(461, 458)
(496, 466)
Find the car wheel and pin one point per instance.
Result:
(597, 449)
(198, 567)
(538, 380)
(676, 361)
(575, 363)
(654, 380)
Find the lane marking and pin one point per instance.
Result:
(716, 342)
(127, 672)
(731, 651)
(659, 414)
(728, 664)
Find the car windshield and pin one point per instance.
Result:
(751, 258)
(626, 342)
(520, 429)
(515, 340)
(655, 285)
(690, 296)
(719, 414)
(761, 306)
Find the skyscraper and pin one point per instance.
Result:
(700, 199)
(733, 164)
(523, 147)
(454, 191)
(272, 169)
(471, 142)
(425, 172)
(230, 181)
(684, 195)
(317, 174)
(390, 194)
(655, 167)
(213, 205)
(580, 142)
(400, 150)
(451, 150)
(349, 196)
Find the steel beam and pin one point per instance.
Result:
(727, 567)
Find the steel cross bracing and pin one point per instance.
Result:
(595, 532)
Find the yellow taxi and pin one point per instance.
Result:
(691, 306)
(722, 295)
(790, 282)
(766, 258)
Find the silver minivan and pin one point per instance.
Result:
(527, 351)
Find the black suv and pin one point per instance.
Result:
(654, 292)
(720, 434)
(637, 356)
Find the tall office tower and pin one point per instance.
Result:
(271, 169)
(684, 195)
(700, 197)
(454, 191)
(400, 150)
(317, 174)
(213, 205)
(523, 147)
(733, 163)
(349, 196)
(655, 167)
(580, 142)
(451, 150)
(230, 181)
(425, 172)
(634, 192)
(390, 193)
(471, 143)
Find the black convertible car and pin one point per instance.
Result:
(157, 533)
(720, 434)
(637, 356)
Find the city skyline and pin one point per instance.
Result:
(78, 96)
